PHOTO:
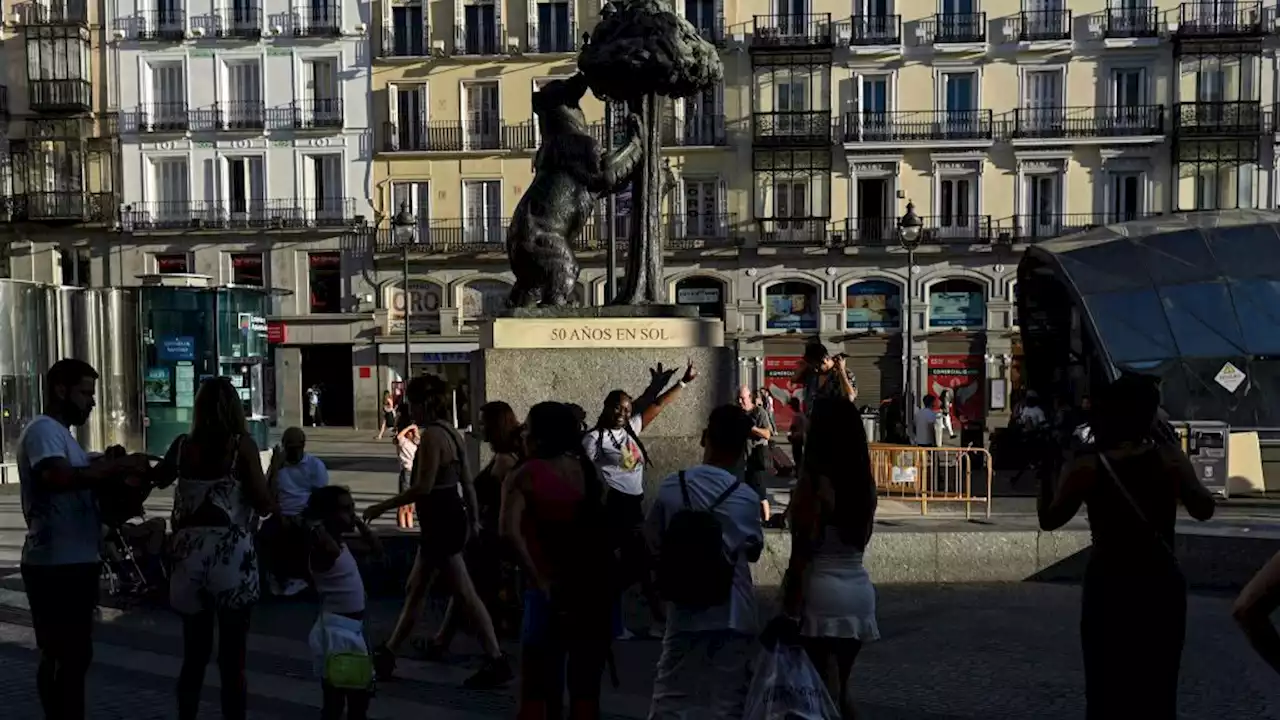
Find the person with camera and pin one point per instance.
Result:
(824, 376)
(61, 555)
(1134, 605)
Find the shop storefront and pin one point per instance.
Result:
(873, 308)
(957, 348)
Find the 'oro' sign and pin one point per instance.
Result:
(424, 300)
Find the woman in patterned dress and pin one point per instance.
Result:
(221, 493)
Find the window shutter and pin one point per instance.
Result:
(534, 39)
(722, 203)
(459, 25)
(388, 35)
(393, 114)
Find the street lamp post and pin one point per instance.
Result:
(909, 234)
(610, 216)
(404, 226)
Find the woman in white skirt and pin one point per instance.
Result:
(827, 588)
(340, 654)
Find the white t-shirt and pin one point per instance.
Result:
(617, 456)
(739, 515)
(925, 423)
(62, 528)
(296, 482)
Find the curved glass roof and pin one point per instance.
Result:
(1181, 294)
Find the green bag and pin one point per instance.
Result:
(345, 670)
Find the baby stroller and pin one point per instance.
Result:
(132, 559)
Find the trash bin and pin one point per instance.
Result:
(871, 425)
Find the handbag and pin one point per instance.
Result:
(345, 670)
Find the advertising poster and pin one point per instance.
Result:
(176, 348)
(158, 386)
(791, 308)
(957, 309)
(778, 372)
(184, 385)
(963, 376)
(873, 304)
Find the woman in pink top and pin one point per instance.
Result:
(553, 516)
(406, 448)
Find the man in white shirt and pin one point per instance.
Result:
(294, 474)
(61, 556)
(704, 669)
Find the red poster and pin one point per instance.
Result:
(277, 333)
(778, 372)
(962, 375)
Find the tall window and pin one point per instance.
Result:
(704, 15)
(170, 188)
(321, 91)
(325, 279)
(169, 96)
(172, 264)
(790, 200)
(702, 216)
(417, 195)
(791, 102)
(57, 53)
(246, 269)
(1126, 197)
(245, 186)
(244, 92)
(408, 31)
(480, 23)
(1044, 204)
(955, 197)
(169, 15)
(555, 27)
(409, 113)
(483, 222)
(76, 267)
(323, 186)
(1042, 99)
(483, 121)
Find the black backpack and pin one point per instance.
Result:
(694, 570)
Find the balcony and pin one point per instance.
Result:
(453, 136)
(793, 31)
(71, 206)
(791, 129)
(284, 214)
(166, 117)
(1127, 23)
(1088, 122)
(1046, 226)
(457, 235)
(1036, 26)
(318, 114)
(552, 39)
(693, 231)
(404, 45)
(317, 20)
(711, 30)
(1239, 118)
(52, 13)
(937, 230)
(476, 40)
(165, 25)
(870, 31)
(794, 231)
(694, 131)
(918, 126)
(955, 29)
(241, 22)
(1220, 19)
(241, 115)
(61, 95)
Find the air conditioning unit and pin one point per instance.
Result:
(197, 31)
(118, 33)
(513, 46)
(437, 48)
(277, 30)
(361, 28)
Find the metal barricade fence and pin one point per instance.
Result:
(933, 475)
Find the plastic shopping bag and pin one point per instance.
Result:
(786, 686)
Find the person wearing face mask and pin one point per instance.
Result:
(294, 474)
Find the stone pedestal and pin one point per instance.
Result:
(579, 355)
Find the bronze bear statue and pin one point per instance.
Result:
(571, 172)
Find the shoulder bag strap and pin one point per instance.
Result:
(684, 490)
(1133, 503)
(457, 448)
(724, 495)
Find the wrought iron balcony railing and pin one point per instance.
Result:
(794, 231)
(164, 23)
(58, 12)
(242, 21)
(72, 206)
(870, 30)
(479, 39)
(318, 20)
(1084, 122)
(1220, 19)
(60, 95)
(318, 114)
(1045, 226)
(452, 235)
(791, 31)
(693, 230)
(281, 214)
(941, 229)
(712, 29)
(812, 127)
(453, 136)
(164, 117)
(1043, 25)
(1219, 119)
(1131, 22)
(250, 115)
(955, 28)
(694, 131)
(547, 39)
(404, 45)
(918, 126)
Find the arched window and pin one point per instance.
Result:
(957, 304)
(424, 306)
(791, 305)
(705, 293)
(873, 304)
(484, 298)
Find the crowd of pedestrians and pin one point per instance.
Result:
(556, 525)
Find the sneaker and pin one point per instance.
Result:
(294, 586)
(384, 663)
(626, 634)
(494, 673)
